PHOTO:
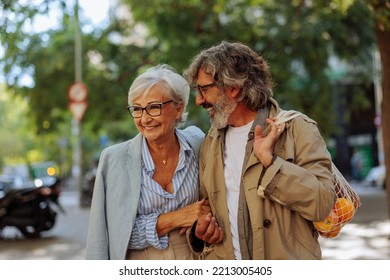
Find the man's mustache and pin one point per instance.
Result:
(206, 105)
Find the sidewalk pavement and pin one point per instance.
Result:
(366, 237)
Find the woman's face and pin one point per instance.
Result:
(157, 128)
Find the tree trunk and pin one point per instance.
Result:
(383, 43)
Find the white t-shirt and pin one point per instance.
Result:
(235, 142)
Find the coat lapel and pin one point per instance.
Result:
(131, 191)
(133, 167)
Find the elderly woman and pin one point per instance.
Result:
(146, 189)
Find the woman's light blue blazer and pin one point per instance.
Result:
(115, 197)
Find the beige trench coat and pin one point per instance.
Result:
(283, 201)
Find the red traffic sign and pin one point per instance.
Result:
(78, 92)
(78, 109)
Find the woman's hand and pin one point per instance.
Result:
(187, 215)
(182, 218)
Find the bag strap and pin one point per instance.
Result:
(286, 115)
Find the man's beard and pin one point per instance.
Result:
(222, 110)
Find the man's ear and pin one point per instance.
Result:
(234, 92)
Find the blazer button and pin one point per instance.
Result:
(267, 223)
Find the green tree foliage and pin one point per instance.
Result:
(48, 56)
(298, 38)
(13, 128)
(108, 68)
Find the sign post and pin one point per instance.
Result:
(77, 95)
(78, 100)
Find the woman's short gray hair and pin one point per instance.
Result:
(174, 86)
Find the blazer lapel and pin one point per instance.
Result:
(133, 166)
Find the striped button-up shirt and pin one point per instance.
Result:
(155, 201)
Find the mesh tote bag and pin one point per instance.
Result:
(347, 202)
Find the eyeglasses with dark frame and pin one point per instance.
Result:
(153, 110)
(203, 89)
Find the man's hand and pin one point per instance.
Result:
(263, 146)
(208, 230)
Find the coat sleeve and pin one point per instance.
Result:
(301, 179)
(97, 238)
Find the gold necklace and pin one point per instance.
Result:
(163, 161)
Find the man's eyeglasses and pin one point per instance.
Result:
(153, 110)
(203, 89)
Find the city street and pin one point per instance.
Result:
(366, 237)
(66, 241)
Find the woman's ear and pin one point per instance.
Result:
(179, 110)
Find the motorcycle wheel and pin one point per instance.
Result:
(30, 232)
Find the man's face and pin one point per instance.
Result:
(215, 99)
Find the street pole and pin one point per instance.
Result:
(378, 102)
(76, 126)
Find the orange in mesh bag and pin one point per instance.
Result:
(346, 205)
(347, 201)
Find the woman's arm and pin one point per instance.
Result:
(152, 229)
(183, 217)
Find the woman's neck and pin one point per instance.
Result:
(162, 152)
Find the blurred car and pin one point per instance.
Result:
(5, 185)
(376, 177)
(44, 169)
(10, 181)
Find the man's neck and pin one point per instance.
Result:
(241, 116)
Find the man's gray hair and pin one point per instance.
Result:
(236, 65)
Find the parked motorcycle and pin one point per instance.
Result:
(30, 209)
